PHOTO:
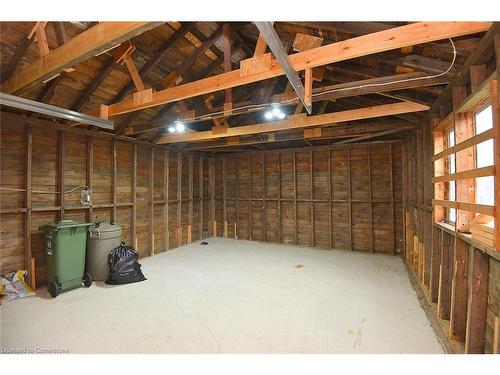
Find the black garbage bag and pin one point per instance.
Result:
(123, 266)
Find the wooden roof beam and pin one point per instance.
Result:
(82, 47)
(273, 41)
(398, 37)
(301, 122)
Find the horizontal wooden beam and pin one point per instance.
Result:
(472, 207)
(473, 173)
(82, 47)
(301, 121)
(472, 141)
(398, 37)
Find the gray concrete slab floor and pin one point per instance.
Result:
(234, 297)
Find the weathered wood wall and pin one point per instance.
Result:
(161, 198)
(347, 197)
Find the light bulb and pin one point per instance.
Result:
(268, 115)
(171, 129)
(276, 112)
(281, 116)
(179, 126)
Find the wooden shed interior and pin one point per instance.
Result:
(363, 137)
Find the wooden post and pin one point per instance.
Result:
(349, 195)
(330, 198)
(166, 178)
(212, 225)
(202, 198)
(28, 260)
(280, 222)
(237, 201)
(393, 227)
(495, 101)
(311, 187)
(151, 203)
(295, 197)
(89, 177)
(250, 221)
(224, 193)
(478, 300)
(445, 277)
(134, 197)
(190, 207)
(458, 314)
(114, 176)
(437, 242)
(372, 249)
(264, 198)
(178, 231)
(61, 173)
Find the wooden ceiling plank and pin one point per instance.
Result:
(300, 122)
(415, 33)
(82, 47)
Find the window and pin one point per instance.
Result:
(451, 212)
(485, 192)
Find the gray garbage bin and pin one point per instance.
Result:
(103, 237)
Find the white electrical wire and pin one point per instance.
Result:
(263, 105)
(82, 187)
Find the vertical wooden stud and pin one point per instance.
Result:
(370, 194)
(151, 203)
(437, 243)
(166, 178)
(89, 174)
(458, 314)
(280, 222)
(202, 197)
(264, 198)
(28, 260)
(61, 173)
(349, 196)
(330, 198)
(114, 176)
(391, 176)
(224, 195)
(190, 206)
(134, 196)
(478, 301)
(311, 206)
(178, 231)
(295, 198)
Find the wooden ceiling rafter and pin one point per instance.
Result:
(91, 42)
(302, 121)
(398, 37)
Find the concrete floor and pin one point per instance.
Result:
(234, 297)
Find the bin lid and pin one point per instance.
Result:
(63, 224)
(104, 228)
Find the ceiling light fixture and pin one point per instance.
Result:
(178, 127)
(275, 113)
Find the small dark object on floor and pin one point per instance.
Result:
(299, 266)
(123, 266)
(204, 243)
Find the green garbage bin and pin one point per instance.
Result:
(65, 244)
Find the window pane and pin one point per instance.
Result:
(451, 138)
(452, 191)
(452, 215)
(484, 154)
(485, 192)
(484, 120)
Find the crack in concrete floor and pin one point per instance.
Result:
(199, 322)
